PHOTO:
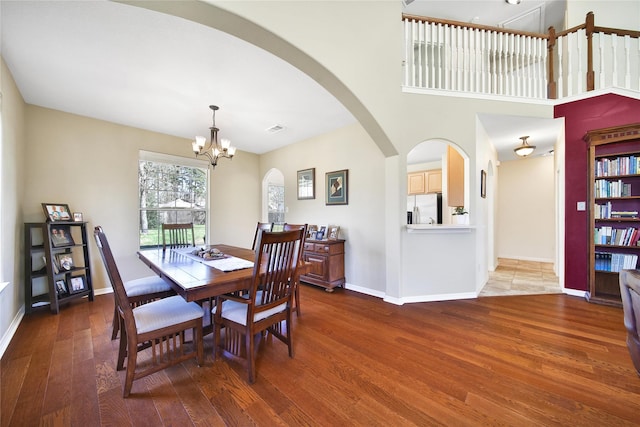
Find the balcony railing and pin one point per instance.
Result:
(457, 56)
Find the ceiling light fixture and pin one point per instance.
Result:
(525, 149)
(214, 150)
(513, 1)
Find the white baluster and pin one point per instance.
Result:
(627, 60)
(560, 84)
(568, 57)
(614, 59)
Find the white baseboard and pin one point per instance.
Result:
(11, 331)
(574, 292)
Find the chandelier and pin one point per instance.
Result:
(214, 150)
(525, 149)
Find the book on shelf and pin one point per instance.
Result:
(615, 262)
(616, 236)
(624, 165)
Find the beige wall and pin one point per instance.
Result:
(361, 221)
(92, 166)
(525, 224)
(12, 189)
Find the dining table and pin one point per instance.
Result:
(195, 278)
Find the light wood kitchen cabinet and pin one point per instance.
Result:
(455, 178)
(424, 182)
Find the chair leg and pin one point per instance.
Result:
(122, 348)
(296, 294)
(115, 326)
(289, 334)
(198, 337)
(251, 356)
(131, 367)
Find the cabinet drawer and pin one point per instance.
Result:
(328, 249)
(309, 246)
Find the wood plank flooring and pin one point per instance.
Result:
(517, 360)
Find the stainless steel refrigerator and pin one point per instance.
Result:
(425, 208)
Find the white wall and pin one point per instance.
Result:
(526, 219)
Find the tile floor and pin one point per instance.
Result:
(516, 277)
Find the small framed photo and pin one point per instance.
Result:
(61, 236)
(77, 284)
(61, 288)
(64, 261)
(321, 234)
(307, 184)
(336, 186)
(483, 184)
(56, 212)
(311, 229)
(313, 235)
(333, 232)
(77, 216)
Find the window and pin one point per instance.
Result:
(275, 199)
(171, 190)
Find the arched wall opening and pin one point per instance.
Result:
(433, 160)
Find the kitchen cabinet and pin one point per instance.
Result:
(327, 263)
(455, 177)
(424, 182)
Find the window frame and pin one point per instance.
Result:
(169, 159)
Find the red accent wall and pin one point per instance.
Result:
(580, 117)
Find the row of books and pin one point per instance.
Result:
(629, 165)
(605, 212)
(615, 262)
(616, 236)
(604, 188)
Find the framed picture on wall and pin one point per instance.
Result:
(336, 187)
(307, 184)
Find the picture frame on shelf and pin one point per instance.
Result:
(307, 184)
(77, 216)
(311, 229)
(64, 261)
(77, 284)
(321, 233)
(313, 234)
(333, 232)
(336, 187)
(61, 236)
(56, 212)
(61, 288)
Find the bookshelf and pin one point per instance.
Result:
(57, 268)
(614, 219)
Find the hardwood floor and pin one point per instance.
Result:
(517, 360)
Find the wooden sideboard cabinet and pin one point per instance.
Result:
(327, 263)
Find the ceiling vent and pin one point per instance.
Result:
(275, 128)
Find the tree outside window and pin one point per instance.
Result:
(171, 193)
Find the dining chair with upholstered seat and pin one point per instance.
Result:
(178, 235)
(159, 325)
(630, 294)
(266, 226)
(267, 304)
(296, 281)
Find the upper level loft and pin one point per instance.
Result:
(443, 55)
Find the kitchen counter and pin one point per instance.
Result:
(439, 228)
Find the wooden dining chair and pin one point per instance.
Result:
(178, 235)
(267, 304)
(266, 226)
(296, 280)
(159, 325)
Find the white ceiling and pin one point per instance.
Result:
(136, 67)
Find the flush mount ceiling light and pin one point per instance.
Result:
(525, 149)
(513, 1)
(214, 150)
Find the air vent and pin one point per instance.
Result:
(275, 128)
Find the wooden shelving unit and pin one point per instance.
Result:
(44, 277)
(614, 203)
